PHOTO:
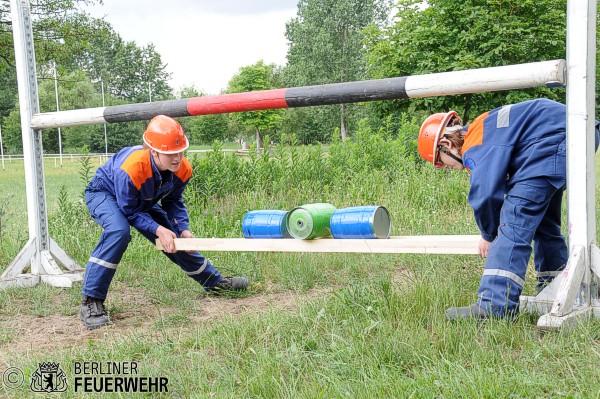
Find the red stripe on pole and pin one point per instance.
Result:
(237, 102)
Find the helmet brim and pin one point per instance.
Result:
(187, 144)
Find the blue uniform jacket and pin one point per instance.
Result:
(511, 144)
(135, 181)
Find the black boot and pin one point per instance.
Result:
(468, 312)
(92, 313)
(231, 284)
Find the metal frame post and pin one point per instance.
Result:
(40, 251)
(57, 110)
(573, 295)
(105, 137)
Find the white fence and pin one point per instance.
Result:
(102, 157)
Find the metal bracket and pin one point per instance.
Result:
(566, 300)
(570, 303)
(542, 303)
(44, 267)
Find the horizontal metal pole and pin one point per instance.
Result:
(545, 73)
(77, 117)
(444, 244)
(510, 77)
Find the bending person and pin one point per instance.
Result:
(143, 187)
(516, 156)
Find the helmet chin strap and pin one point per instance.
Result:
(451, 155)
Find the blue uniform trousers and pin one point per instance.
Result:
(115, 238)
(531, 212)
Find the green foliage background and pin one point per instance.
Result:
(452, 35)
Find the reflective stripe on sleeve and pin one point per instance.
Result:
(504, 117)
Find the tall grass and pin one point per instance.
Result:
(354, 326)
(368, 169)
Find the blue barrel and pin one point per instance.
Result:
(361, 222)
(265, 224)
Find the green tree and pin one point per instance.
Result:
(251, 78)
(119, 135)
(60, 30)
(128, 72)
(452, 35)
(8, 91)
(187, 92)
(11, 132)
(75, 41)
(208, 128)
(325, 43)
(8, 95)
(74, 91)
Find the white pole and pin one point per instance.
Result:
(1, 148)
(577, 293)
(581, 58)
(105, 140)
(57, 109)
(149, 92)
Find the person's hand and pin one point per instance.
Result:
(484, 247)
(166, 237)
(186, 234)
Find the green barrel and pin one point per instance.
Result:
(310, 221)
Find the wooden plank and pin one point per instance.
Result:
(439, 244)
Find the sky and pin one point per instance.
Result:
(204, 42)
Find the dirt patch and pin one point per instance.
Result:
(26, 334)
(22, 334)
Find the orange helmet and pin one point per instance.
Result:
(430, 133)
(165, 135)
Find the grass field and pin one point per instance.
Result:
(312, 325)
